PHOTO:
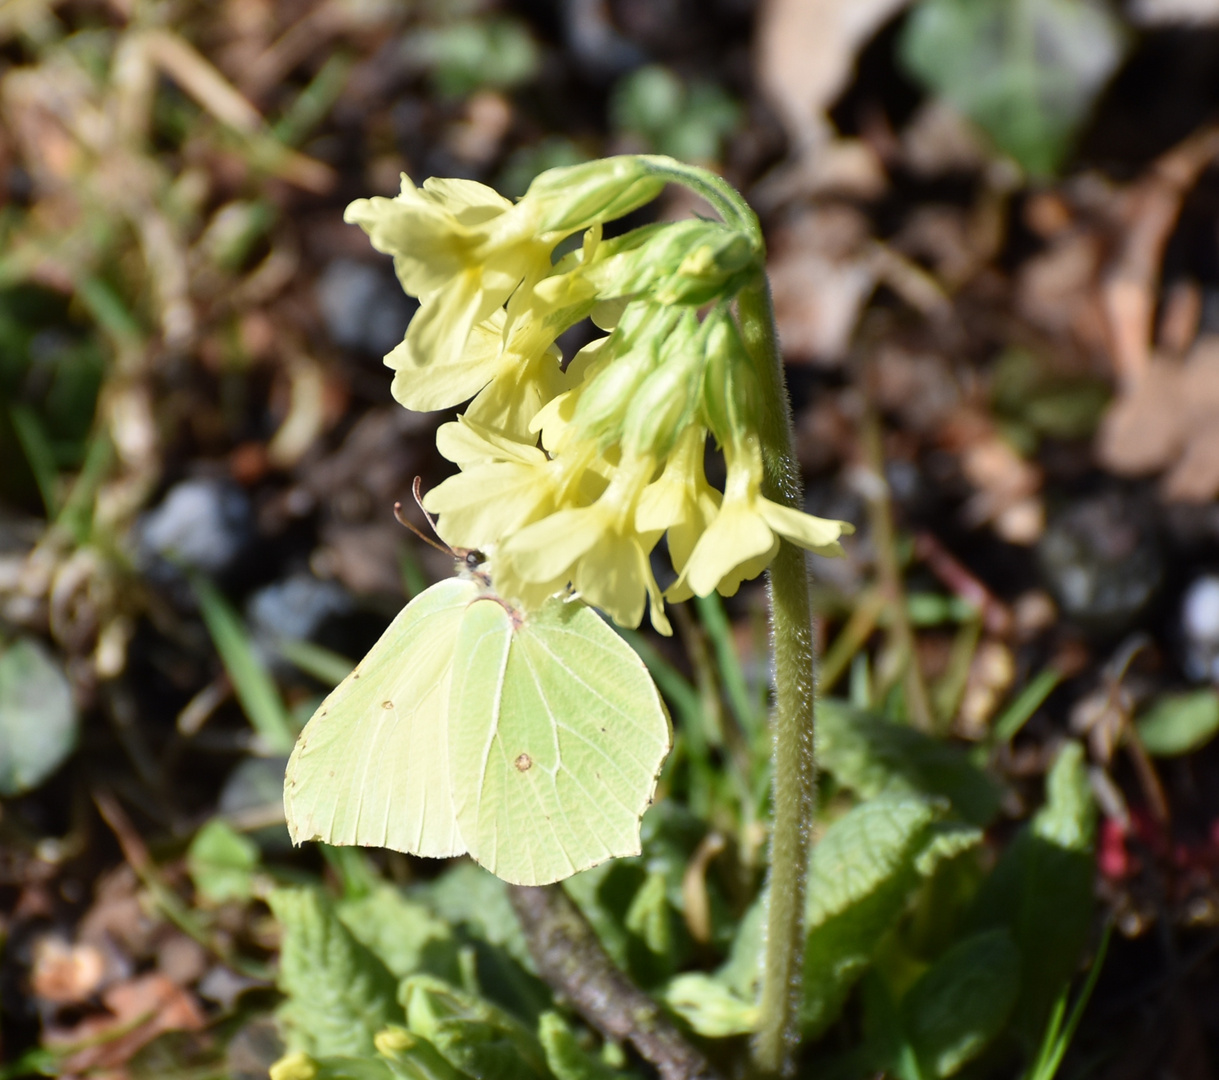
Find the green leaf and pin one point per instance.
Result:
(709, 1006)
(567, 1059)
(254, 687)
(1026, 71)
(962, 1002)
(1041, 890)
(473, 53)
(473, 1035)
(863, 873)
(1179, 723)
(402, 933)
(468, 894)
(339, 994)
(869, 755)
(38, 719)
(221, 862)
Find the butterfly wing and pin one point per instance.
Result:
(557, 735)
(371, 766)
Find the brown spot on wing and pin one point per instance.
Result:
(523, 762)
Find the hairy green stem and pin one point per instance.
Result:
(791, 621)
(794, 762)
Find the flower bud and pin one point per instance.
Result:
(730, 389)
(294, 1066)
(573, 197)
(668, 397)
(687, 262)
(393, 1041)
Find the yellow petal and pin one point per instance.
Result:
(737, 536)
(814, 533)
(484, 504)
(466, 442)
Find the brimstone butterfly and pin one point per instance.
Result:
(532, 742)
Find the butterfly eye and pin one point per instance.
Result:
(475, 559)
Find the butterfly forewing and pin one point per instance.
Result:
(557, 735)
(371, 766)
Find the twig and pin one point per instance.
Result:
(956, 576)
(571, 959)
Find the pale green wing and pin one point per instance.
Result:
(557, 735)
(371, 766)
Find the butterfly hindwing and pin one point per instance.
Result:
(556, 737)
(371, 766)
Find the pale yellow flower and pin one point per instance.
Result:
(596, 549)
(744, 535)
(503, 485)
(680, 501)
(463, 250)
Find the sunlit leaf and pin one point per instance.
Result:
(38, 719)
(339, 994)
(1027, 71)
(1179, 723)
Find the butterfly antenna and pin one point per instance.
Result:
(405, 522)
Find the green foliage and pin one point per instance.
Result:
(221, 863)
(1026, 71)
(38, 719)
(870, 755)
(864, 872)
(962, 1002)
(685, 121)
(1041, 891)
(1179, 723)
(402, 932)
(252, 683)
(339, 994)
(470, 54)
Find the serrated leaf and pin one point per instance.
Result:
(567, 1059)
(869, 755)
(339, 994)
(1041, 890)
(1026, 71)
(402, 933)
(221, 862)
(962, 1002)
(863, 872)
(468, 894)
(709, 1006)
(472, 1034)
(1179, 723)
(38, 719)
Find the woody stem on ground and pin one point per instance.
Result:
(794, 771)
(571, 959)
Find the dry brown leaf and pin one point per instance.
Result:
(821, 276)
(806, 54)
(1169, 420)
(1057, 290)
(64, 973)
(138, 1011)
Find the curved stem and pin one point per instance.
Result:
(794, 761)
(723, 197)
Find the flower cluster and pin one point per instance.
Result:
(570, 475)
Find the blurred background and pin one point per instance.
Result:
(993, 229)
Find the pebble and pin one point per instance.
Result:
(363, 306)
(205, 524)
(1100, 562)
(296, 607)
(1200, 626)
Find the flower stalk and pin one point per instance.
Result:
(572, 469)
